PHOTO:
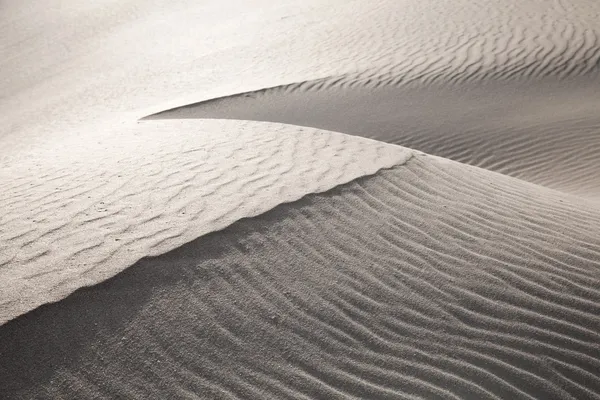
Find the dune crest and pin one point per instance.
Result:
(513, 87)
(94, 214)
(430, 280)
(545, 132)
(244, 259)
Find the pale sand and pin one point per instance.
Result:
(317, 264)
(510, 87)
(94, 214)
(546, 132)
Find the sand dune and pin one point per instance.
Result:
(515, 92)
(83, 222)
(207, 258)
(544, 132)
(428, 280)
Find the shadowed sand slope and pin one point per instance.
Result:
(546, 132)
(428, 280)
(509, 86)
(238, 259)
(152, 187)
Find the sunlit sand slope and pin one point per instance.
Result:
(92, 212)
(509, 86)
(429, 280)
(237, 259)
(547, 133)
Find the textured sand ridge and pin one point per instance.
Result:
(95, 214)
(510, 86)
(89, 63)
(241, 259)
(430, 280)
(545, 132)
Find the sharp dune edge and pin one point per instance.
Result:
(209, 258)
(517, 92)
(81, 223)
(429, 280)
(545, 132)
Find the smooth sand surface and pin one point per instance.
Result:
(209, 258)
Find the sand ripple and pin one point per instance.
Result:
(429, 280)
(513, 87)
(90, 214)
(237, 259)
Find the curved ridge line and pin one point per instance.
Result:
(249, 93)
(408, 156)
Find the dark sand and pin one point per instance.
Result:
(429, 280)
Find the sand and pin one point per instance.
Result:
(365, 199)
(86, 221)
(431, 279)
(545, 132)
